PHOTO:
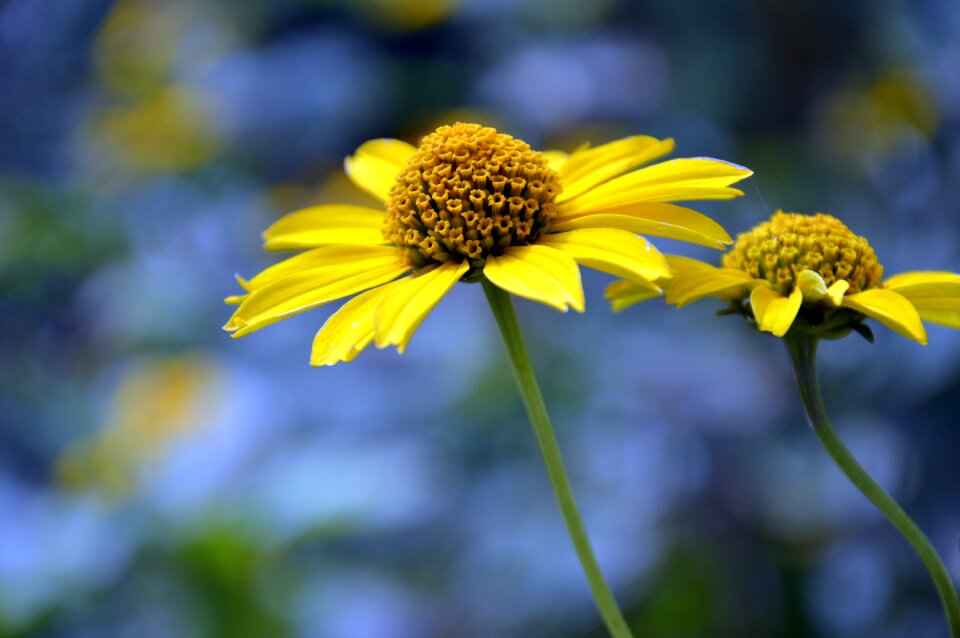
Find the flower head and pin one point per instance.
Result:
(471, 203)
(809, 273)
(468, 193)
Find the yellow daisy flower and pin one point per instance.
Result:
(811, 273)
(472, 203)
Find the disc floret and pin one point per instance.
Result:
(470, 192)
(789, 243)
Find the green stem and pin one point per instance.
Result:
(803, 351)
(510, 330)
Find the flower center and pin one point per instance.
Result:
(779, 249)
(469, 192)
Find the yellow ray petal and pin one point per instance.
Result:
(680, 264)
(928, 290)
(694, 171)
(540, 273)
(624, 293)
(760, 298)
(948, 318)
(556, 159)
(926, 282)
(683, 267)
(891, 309)
(301, 291)
(243, 282)
(673, 180)
(397, 152)
(590, 167)
(328, 262)
(933, 303)
(774, 312)
(692, 283)
(406, 305)
(323, 225)
(812, 285)
(836, 291)
(617, 252)
(374, 166)
(651, 218)
(350, 329)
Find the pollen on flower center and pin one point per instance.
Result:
(779, 249)
(469, 192)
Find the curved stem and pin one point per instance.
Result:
(803, 351)
(507, 321)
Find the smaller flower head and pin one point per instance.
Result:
(779, 250)
(809, 273)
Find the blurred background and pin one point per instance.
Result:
(159, 479)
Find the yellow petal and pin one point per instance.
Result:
(397, 152)
(948, 318)
(328, 262)
(617, 252)
(673, 180)
(812, 285)
(925, 283)
(405, 306)
(539, 273)
(556, 159)
(350, 329)
(624, 293)
(243, 282)
(301, 291)
(694, 171)
(692, 283)
(760, 298)
(836, 291)
(651, 218)
(324, 225)
(774, 312)
(933, 303)
(374, 166)
(937, 292)
(235, 300)
(590, 167)
(680, 264)
(891, 309)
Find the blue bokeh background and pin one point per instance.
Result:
(159, 479)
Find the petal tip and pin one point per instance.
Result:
(244, 283)
(743, 170)
(348, 163)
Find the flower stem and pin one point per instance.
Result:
(510, 330)
(803, 351)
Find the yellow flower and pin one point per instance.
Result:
(471, 203)
(812, 273)
(159, 402)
